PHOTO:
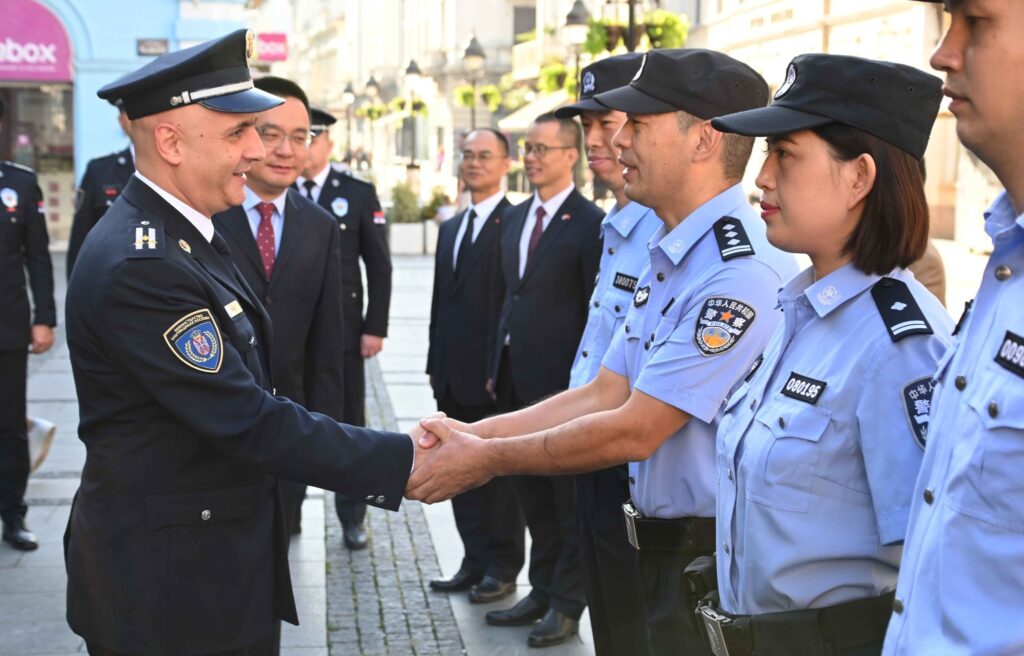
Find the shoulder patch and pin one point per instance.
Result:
(19, 167)
(917, 401)
(145, 240)
(732, 239)
(900, 312)
(721, 323)
(195, 340)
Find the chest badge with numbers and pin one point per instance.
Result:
(641, 296)
(1011, 353)
(721, 323)
(9, 198)
(339, 206)
(917, 401)
(803, 388)
(624, 282)
(195, 340)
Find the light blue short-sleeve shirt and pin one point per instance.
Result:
(625, 235)
(961, 585)
(818, 451)
(703, 310)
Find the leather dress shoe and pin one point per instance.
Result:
(491, 589)
(526, 612)
(355, 536)
(18, 535)
(554, 629)
(463, 580)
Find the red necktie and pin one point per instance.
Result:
(538, 230)
(265, 237)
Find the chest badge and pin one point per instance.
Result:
(721, 323)
(9, 197)
(624, 282)
(340, 207)
(1011, 353)
(195, 340)
(641, 296)
(184, 246)
(803, 388)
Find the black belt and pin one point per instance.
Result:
(828, 630)
(684, 535)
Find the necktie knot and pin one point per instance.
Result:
(538, 230)
(266, 210)
(308, 185)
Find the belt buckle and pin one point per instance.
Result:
(713, 621)
(631, 515)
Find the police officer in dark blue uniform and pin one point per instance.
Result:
(23, 247)
(176, 542)
(103, 181)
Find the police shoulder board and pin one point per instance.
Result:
(146, 239)
(732, 239)
(900, 312)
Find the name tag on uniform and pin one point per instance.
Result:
(803, 388)
(233, 309)
(625, 283)
(1011, 354)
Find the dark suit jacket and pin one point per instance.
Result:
(463, 313)
(544, 313)
(24, 246)
(303, 298)
(176, 541)
(363, 234)
(102, 182)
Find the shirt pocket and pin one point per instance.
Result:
(786, 465)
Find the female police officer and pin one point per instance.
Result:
(819, 449)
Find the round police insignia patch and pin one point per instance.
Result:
(340, 206)
(589, 83)
(721, 323)
(9, 197)
(195, 340)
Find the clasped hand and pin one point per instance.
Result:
(449, 460)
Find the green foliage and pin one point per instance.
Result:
(372, 112)
(552, 77)
(597, 35)
(402, 106)
(463, 95)
(491, 96)
(429, 210)
(666, 29)
(515, 97)
(404, 207)
(523, 37)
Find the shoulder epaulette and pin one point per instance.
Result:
(900, 312)
(732, 239)
(146, 239)
(18, 167)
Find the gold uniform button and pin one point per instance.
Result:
(897, 606)
(929, 496)
(584, 354)
(597, 304)
(993, 409)
(1003, 272)
(960, 382)
(782, 422)
(206, 515)
(611, 251)
(730, 474)
(661, 277)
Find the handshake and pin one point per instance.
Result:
(449, 459)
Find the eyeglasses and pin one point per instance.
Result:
(541, 150)
(272, 137)
(483, 158)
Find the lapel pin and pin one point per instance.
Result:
(184, 246)
(566, 217)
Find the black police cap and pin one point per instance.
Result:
(214, 74)
(893, 102)
(605, 75)
(320, 120)
(700, 82)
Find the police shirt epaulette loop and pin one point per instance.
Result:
(18, 167)
(900, 312)
(732, 239)
(146, 239)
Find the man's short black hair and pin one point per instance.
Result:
(568, 129)
(282, 88)
(502, 139)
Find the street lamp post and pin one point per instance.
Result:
(372, 91)
(348, 96)
(473, 60)
(412, 76)
(577, 24)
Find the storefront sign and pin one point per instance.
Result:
(33, 44)
(271, 46)
(151, 47)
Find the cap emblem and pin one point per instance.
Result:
(250, 44)
(790, 79)
(589, 83)
(640, 70)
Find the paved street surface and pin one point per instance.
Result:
(371, 602)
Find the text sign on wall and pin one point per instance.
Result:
(33, 44)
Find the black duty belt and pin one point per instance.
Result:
(828, 630)
(683, 535)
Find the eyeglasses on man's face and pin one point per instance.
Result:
(272, 137)
(484, 157)
(541, 150)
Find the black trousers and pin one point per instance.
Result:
(269, 646)
(610, 564)
(549, 507)
(353, 511)
(488, 518)
(14, 459)
(671, 623)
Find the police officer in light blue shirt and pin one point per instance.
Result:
(818, 451)
(614, 595)
(961, 586)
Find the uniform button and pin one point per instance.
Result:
(269, 300)
(380, 499)
(725, 547)
(730, 473)
(597, 303)
(618, 308)
(929, 496)
(897, 606)
(252, 341)
(1003, 272)
(369, 498)
(355, 295)
(652, 337)
(647, 346)
(782, 422)
(515, 297)
(632, 481)
(660, 277)
(753, 403)
(627, 328)
(206, 515)
(960, 382)
(611, 251)
(584, 354)
(993, 409)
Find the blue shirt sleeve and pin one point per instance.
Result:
(615, 358)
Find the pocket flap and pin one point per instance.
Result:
(795, 420)
(200, 508)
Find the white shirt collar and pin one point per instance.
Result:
(251, 200)
(552, 204)
(203, 224)
(485, 207)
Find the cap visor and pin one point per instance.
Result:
(243, 102)
(588, 105)
(633, 101)
(768, 121)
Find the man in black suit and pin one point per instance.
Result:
(364, 234)
(550, 250)
(102, 182)
(23, 247)
(176, 542)
(287, 248)
(468, 290)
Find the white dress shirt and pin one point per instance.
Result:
(253, 214)
(551, 206)
(483, 210)
(319, 179)
(202, 223)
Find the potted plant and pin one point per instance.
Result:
(491, 96)
(666, 29)
(406, 229)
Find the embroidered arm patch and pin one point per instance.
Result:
(195, 340)
(721, 323)
(917, 401)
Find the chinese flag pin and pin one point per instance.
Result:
(566, 217)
